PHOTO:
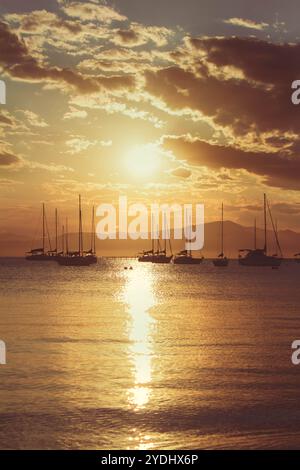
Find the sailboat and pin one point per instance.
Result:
(76, 258)
(147, 256)
(160, 256)
(222, 261)
(186, 257)
(91, 254)
(40, 254)
(259, 256)
(54, 254)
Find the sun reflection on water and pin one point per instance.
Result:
(139, 298)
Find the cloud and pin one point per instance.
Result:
(34, 119)
(90, 12)
(39, 20)
(9, 160)
(139, 34)
(18, 63)
(8, 183)
(106, 143)
(244, 23)
(75, 113)
(181, 172)
(274, 168)
(78, 144)
(128, 37)
(241, 87)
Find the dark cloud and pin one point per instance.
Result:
(259, 60)
(18, 63)
(276, 169)
(241, 84)
(9, 160)
(127, 36)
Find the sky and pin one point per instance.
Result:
(162, 101)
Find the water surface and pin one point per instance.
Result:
(158, 357)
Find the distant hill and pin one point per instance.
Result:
(235, 237)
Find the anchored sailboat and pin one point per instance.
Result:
(222, 261)
(76, 258)
(91, 254)
(40, 254)
(260, 257)
(147, 256)
(160, 256)
(186, 257)
(54, 254)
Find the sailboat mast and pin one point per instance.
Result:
(56, 233)
(190, 222)
(265, 220)
(92, 231)
(43, 228)
(222, 231)
(152, 233)
(255, 244)
(80, 229)
(63, 238)
(165, 233)
(67, 237)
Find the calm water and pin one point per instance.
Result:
(160, 357)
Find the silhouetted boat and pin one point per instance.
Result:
(259, 257)
(160, 256)
(146, 257)
(54, 254)
(76, 258)
(40, 254)
(91, 254)
(222, 261)
(186, 257)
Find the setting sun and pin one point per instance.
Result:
(142, 161)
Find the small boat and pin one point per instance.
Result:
(186, 257)
(40, 254)
(260, 257)
(80, 257)
(221, 261)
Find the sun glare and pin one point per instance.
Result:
(142, 161)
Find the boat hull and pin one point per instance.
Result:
(268, 261)
(221, 262)
(145, 259)
(74, 261)
(40, 258)
(161, 259)
(187, 260)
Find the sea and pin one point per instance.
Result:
(128, 355)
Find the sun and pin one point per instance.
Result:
(142, 161)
